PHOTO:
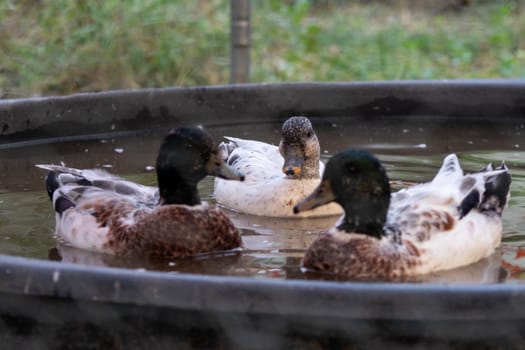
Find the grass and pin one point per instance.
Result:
(55, 47)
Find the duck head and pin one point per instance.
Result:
(300, 149)
(358, 182)
(185, 157)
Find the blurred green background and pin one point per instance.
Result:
(56, 47)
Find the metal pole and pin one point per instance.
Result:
(240, 41)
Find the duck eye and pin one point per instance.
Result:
(351, 169)
(310, 134)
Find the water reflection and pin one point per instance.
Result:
(280, 264)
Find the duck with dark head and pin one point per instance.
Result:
(452, 221)
(101, 212)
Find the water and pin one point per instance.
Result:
(412, 151)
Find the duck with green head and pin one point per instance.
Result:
(452, 221)
(101, 212)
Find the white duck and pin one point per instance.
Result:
(452, 221)
(276, 177)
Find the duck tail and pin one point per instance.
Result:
(487, 190)
(497, 190)
(52, 183)
(60, 175)
(59, 169)
(449, 171)
(226, 148)
(60, 202)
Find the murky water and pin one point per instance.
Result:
(412, 150)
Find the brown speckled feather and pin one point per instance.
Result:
(176, 231)
(359, 256)
(167, 231)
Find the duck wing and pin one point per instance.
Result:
(107, 222)
(258, 159)
(87, 215)
(438, 206)
(60, 176)
(177, 231)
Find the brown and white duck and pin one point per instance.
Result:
(100, 212)
(452, 221)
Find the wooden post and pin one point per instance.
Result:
(240, 41)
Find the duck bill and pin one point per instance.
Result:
(322, 195)
(293, 165)
(217, 167)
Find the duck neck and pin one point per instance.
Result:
(174, 189)
(311, 169)
(364, 218)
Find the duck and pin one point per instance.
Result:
(276, 176)
(104, 213)
(452, 221)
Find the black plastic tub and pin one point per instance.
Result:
(62, 305)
